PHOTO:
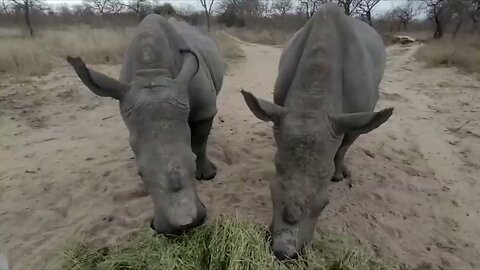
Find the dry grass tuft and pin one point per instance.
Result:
(229, 47)
(271, 37)
(463, 53)
(96, 46)
(24, 56)
(229, 243)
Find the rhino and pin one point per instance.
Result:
(324, 98)
(170, 77)
(3, 262)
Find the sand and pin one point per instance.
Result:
(67, 170)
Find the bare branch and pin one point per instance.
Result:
(207, 7)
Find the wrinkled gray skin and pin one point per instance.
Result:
(170, 78)
(324, 98)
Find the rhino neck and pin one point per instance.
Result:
(309, 102)
(152, 77)
(317, 85)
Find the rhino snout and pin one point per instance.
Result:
(180, 223)
(284, 246)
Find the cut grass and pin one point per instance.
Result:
(463, 53)
(228, 243)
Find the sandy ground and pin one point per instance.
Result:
(67, 169)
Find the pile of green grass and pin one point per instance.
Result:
(228, 243)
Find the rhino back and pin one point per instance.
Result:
(335, 57)
(156, 44)
(364, 66)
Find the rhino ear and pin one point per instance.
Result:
(359, 122)
(263, 109)
(189, 68)
(97, 82)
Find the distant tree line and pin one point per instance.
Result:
(289, 14)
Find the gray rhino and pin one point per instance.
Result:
(324, 98)
(171, 75)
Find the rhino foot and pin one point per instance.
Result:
(341, 174)
(206, 170)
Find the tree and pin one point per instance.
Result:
(349, 6)
(473, 11)
(105, 6)
(309, 7)
(366, 7)
(405, 13)
(6, 6)
(282, 7)
(458, 10)
(242, 8)
(437, 12)
(139, 7)
(27, 6)
(207, 7)
(165, 9)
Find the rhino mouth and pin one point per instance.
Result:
(174, 232)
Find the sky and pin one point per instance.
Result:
(380, 8)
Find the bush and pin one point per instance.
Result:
(463, 53)
(228, 243)
(231, 19)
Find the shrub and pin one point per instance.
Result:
(463, 53)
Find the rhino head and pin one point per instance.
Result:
(155, 109)
(304, 162)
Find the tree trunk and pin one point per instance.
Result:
(369, 18)
(208, 20)
(27, 17)
(457, 28)
(438, 28)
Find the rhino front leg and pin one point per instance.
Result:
(341, 170)
(206, 170)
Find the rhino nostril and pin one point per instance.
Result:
(284, 255)
(140, 174)
(151, 225)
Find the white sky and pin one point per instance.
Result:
(380, 8)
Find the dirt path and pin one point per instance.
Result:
(66, 167)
